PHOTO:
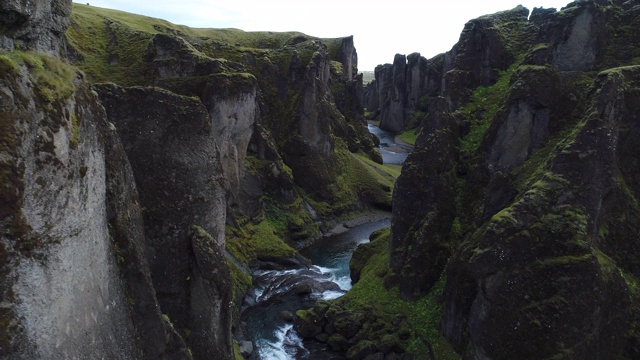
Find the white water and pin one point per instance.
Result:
(344, 281)
(287, 345)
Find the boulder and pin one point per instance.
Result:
(246, 348)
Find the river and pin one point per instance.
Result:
(277, 294)
(392, 152)
(278, 291)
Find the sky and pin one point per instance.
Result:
(381, 28)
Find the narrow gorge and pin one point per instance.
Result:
(154, 176)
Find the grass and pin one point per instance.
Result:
(423, 315)
(268, 243)
(112, 44)
(409, 136)
(54, 78)
(485, 100)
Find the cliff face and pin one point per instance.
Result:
(125, 208)
(58, 270)
(404, 92)
(523, 167)
(75, 276)
(176, 162)
(36, 25)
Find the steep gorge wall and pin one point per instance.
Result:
(175, 158)
(515, 182)
(77, 280)
(121, 214)
(66, 291)
(61, 282)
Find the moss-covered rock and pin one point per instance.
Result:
(531, 210)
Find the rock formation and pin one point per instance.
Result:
(123, 204)
(514, 218)
(36, 25)
(522, 166)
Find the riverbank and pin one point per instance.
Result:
(360, 220)
(280, 291)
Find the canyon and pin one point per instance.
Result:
(147, 168)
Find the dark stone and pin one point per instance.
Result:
(246, 348)
(376, 356)
(322, 337)
(338, 342)
(287, 316)
(189, 272)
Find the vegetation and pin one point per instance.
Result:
(384, 305)
(409, 136)
(53, 77)
(481, 109)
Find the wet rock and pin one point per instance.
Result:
(309, 286)
(281, 263)
(286, 316)
(246, 348)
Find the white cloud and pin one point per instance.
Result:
(380, 28)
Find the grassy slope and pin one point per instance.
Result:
(423, 316)
(111, 44)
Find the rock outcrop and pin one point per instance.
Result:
(174, 154)
(66, 289)
(117, 200)
(36, 25)
(519, 195)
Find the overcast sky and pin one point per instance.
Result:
(381, 28)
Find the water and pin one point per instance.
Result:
(276, 291)
(392, 152)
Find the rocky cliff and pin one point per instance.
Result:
(129, 207)
(66, 187)
(515, 216)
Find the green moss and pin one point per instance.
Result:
(8, 65)
(361, 177)
(423, 316)
(504, 215)
(409, 136)
(239, 244)
(620, 70)
(74, 131)
(482, 107)
(202, 233)
(565, 260)
(336, 67)
(237, 355)
(241, 281)
(53, 78)
(268, 243)
(606, 263)
(529, 174)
